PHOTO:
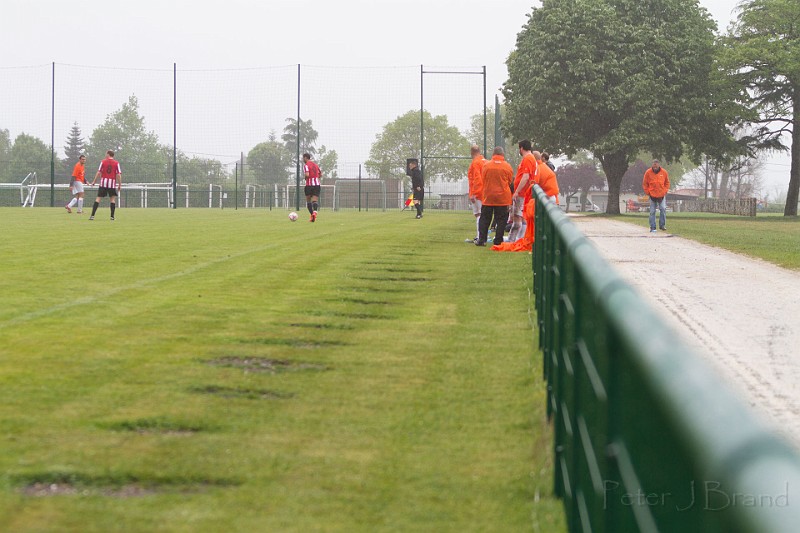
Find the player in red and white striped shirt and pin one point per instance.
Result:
(110, 174)
(312, 187)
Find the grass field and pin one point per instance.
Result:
(774, 238)
(206, 370)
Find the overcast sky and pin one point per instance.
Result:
(248, 33)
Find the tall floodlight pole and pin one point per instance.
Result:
(422, 123)
(174, 136)
(53, 139)
(297, 170)
(484, 111)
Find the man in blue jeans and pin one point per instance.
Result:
(656, 186)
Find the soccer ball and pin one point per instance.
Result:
(292, 216)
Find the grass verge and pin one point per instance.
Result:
(770, 237)
(206, 370)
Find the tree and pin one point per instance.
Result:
(30, 154)
(136, 148)
(195, 170)
(74, 148)
(308, 136)
(328, 163)
(268, 162)
(580, 177)
(618, 77)
(761, 55)
(475, 136)
(400, 140)
(633, 177)
(5, 155)
(75, 145)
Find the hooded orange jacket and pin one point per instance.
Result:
(547, 180)
(475, 177)
(656, 184)
(497, 178)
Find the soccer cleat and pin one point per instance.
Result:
(68, 209)
(418, 216)
(314, 216)
(112, 218)
(91, 217)
(653, 230)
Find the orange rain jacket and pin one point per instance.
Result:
(656, 185)
(475, 177)
(497, 178)
(547, 180)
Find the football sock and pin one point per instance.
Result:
(315, 206)
(308, 206)
(80, 204)
(419, 209)
(72, 202)
(94, 207)
(113, 208)
(477, 227)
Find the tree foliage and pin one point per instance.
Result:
(615, 77)
(328, 163)
(308, 138)
(30, 154)
(124, 132)
(74, 147)
(5, 155)
(761, 57)
(574, 178)
(400, 139)
(475, 136)
(268, 162)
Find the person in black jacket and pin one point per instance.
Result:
(417, 186)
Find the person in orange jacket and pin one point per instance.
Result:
(527, 175)
(546, 178)
(656, 185)
(475, 179)
(497, 179)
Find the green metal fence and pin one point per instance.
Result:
(647, 436)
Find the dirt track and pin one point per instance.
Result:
(742, 314)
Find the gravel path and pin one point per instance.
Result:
(742, 314)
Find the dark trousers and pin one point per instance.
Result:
(500, 215)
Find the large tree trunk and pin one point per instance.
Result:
(723, 184)
(614, 165)
(794, 172)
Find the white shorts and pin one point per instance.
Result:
(77, 187)
(517, 206)
(476, 207)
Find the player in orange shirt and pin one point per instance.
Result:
(76, 185)
(527, 174)
(497, 179)
(475, 179)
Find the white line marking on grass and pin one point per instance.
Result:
(33, 315)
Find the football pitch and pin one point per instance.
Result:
(219, 370)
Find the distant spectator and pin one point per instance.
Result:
(656, 186)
